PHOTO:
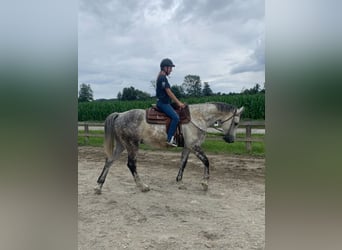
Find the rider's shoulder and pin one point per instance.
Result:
(162, 78)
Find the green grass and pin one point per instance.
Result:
(239, 148)
(213, 144)
(93, 141)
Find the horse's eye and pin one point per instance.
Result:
(236, 123)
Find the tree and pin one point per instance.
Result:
(153, 84)
(254, 90)
(207, 90)
(132, 94)
(86, 93)
(263, 89)
(192, 85)
(128, 94)
(178, 91)
(142, 95)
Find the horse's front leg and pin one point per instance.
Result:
(184, 160)
(132, 165)
(200, 154)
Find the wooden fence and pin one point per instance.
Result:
(248, 125)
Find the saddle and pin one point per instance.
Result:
(156, 116)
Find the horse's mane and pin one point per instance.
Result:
(224, 107)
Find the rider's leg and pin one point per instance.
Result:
(168, 109)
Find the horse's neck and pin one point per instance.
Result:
(205, 114)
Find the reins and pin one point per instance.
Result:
(221, 123)
(198, 126)
(230, 117)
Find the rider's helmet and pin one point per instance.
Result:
(166, 62)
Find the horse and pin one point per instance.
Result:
(126, 130)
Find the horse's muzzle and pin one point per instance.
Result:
(229, 138)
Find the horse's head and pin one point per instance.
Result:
(230, 124)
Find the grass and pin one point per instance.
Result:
(213, 144)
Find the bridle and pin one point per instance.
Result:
(230, 117)
(221, 123)
(231, 124)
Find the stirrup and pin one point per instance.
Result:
(172, 142)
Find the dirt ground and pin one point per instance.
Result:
(230, 215)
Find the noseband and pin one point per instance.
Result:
(230, 127)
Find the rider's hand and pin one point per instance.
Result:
(181, 105)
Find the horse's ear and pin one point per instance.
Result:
(239, 111)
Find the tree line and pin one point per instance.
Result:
(191, 87)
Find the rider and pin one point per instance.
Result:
(165, 95)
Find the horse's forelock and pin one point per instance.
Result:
(224, 107)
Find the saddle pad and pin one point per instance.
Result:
(155, 116)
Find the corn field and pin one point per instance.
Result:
(99, 110)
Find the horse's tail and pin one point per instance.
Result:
(109, 134)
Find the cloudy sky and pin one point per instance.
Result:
(121, 43)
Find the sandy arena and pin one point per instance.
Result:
(230, 215)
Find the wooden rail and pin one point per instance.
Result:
(248, 125)
(248, 138)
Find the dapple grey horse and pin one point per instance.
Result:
(128, 129)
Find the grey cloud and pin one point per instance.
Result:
(113, 15)
(122, 42)
(254, 63)
(212, 11)
(201, 9)
(253, 67)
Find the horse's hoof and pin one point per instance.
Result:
(205, 186)
(97, 190)
(144, 188)
(181, 186)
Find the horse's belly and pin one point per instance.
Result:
(154, 135)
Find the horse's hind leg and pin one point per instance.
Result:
(200, 155)
(109, 162)
(184, 160)
(102, 176)
(132, 165)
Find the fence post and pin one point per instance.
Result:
(248, 138)
(86, 131)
